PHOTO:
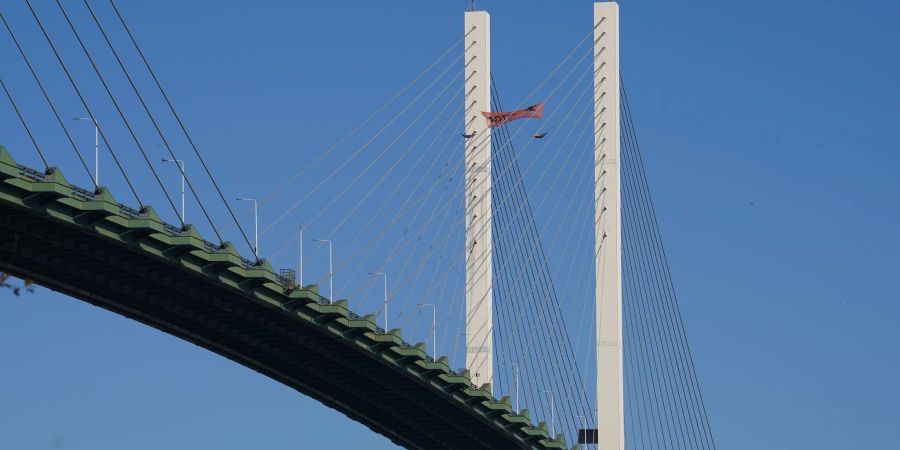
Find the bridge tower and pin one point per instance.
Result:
(479, 231)
(608, 227)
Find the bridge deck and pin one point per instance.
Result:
(95, 249)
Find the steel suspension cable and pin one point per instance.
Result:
(583, 231)
(664, 346)
(562, 63)
(411, 191)
(401, 245)
(519, 210)
(402, 181)
(383, 177)
(528, 289)
(530, 226)
(506, 198)
(647, 320)
(361, 173)
(417, 239)
(354, 155)
(47, 98)
(152, 120)
(504, 309)
(673, 308)
(643, 320)
(502, 230)
(117, 106)
(434, 160)
(25, 124)
(417, 205)
(367, 119)
(85, 104)
(524, 359)
(563, 101)
(569, 55)
(650, 401)
(180, 122)
(528, 169)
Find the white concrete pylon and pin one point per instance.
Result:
(479, 239)
(608, 227)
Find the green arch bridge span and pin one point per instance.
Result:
(93, 248)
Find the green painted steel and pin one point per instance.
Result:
(258, 312)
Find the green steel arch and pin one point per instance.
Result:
(93, 248)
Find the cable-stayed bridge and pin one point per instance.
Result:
(524, 255)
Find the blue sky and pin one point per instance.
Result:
(790, 303)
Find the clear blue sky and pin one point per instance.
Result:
(791, 304)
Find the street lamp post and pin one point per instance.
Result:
(516, 378)
(516, 371)
(433, 329)
(255, 225)
(583, 424)
(96, 149)
(384, 275)
(301, 256)
(552, 415)
(456, 344)
(181, 169)
(330, 271)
